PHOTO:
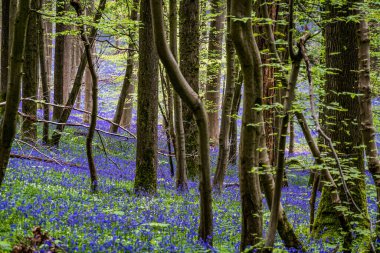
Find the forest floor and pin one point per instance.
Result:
(57, 198)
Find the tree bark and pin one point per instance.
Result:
(189, 64)
(214, 68)
(5, 23)
(30, 78)
(366, 116)
(78, 79)
(251, 129)
(59, 61)
(342, 123)
(128, 74)
(224, 141)
(180, 149)
(90, 136)
(147, 108)
(15, 73)
(192, 100)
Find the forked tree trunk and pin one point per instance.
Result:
(147, 108)
(224, 141)
(15, 73)
(190, 97)
(214, 67)
(251, 129)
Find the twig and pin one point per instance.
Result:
(36, 149)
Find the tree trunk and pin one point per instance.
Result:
(192, 100)
(30, 78)
(5, 23)
(128, 74)
(366, 116)
(224, 141)
(147, 108)
(342, 124)
(44, 77)
(59, 61)
(235, 112)
(15, 73)
(189, 64)
(214, 68)
(251, 130)
(180, 149)
(78, 79)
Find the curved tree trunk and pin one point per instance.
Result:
(251, 129)
(15, 73)
(5, 23)
(90, 136)
(192, 100)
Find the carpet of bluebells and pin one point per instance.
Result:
(57, 198)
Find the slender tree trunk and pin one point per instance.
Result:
(214, 68)
(90, 157)
(192, 100)
(224, 141)
(181, 175)
(251, 130)
(235, 112)
(44, 77)
(189, 64)
(291, 135)
(59, 61)
(78, 79)
(126, 118)
(128, 74)
(5, 23)
(15, 73)
(147, 109)
(30, 78)
(366, 115)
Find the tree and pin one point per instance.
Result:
(5, 22)
(181, 172)
(224, 140)
(147, 107)
(30, 78)
(251, 129)
(190, 97)
(59, 61)
(189, 64)
(214, 68)
(125, 89)
(341, 120)
(15, 73)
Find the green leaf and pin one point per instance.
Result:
(5, 246)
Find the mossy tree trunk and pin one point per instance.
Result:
(341, 122)
(189, 64)
(147, 107)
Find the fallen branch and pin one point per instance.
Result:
(46, 160)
